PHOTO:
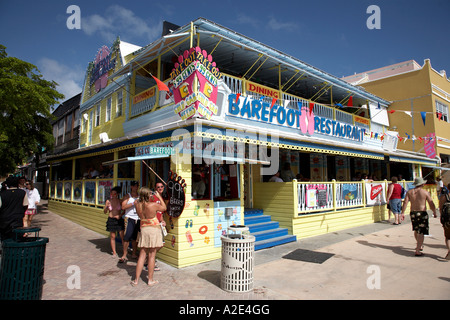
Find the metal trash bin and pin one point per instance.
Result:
(22, 266)
(237, 260)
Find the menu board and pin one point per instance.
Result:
(176, 194)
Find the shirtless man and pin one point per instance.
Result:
(419, 216)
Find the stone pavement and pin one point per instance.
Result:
(370, 262)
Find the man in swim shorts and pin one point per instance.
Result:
(419, 216)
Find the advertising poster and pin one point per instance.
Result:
(375, 194)
(89, 192)
(316, 195)
(349, 191)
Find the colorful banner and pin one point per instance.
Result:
(195, 80)
(430, 151)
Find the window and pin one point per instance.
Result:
(97, 116)
(108, 109)
(442, 111)
(226, 182)
(83, 121)
(60, 132)
(68, 133)
(119, 104)
(201, 178)
(76, 118)
(55, 132)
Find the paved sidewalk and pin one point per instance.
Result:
(370, 262)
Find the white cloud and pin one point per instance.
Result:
(69, 79)
(119, 21)
(276, 25)
(242, 18)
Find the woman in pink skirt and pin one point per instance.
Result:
(150, 237)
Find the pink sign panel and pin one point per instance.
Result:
(195, 78)
(430, 151)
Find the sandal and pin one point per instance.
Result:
(420, 254)
(133, 283)
(152, 283)
(122, 260)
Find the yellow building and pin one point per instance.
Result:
(233, 112)
(420, 100)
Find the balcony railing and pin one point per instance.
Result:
(146, 101)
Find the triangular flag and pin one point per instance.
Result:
(391, 111)
(311, 107)
(408, 135)
(408, 113)
(378, 107)
(339, 105)
(424, 115)
(439, 116)
(273, 102)
(237, 97)
(161, 85)
(350, 102)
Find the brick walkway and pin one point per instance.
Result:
(343, 276)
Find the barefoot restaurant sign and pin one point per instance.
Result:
(195, 79)
(302, 118)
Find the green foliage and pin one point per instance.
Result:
(25, 102)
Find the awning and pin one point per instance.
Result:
(412, 160)
(235, 159)
(140, 158)
(437, 168)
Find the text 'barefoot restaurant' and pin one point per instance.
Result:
(215, 115)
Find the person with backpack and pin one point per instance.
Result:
(394, 198)
(444, 209)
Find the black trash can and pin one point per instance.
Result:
(22, 265)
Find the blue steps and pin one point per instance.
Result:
(267, 233)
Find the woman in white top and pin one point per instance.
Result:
(33, 201)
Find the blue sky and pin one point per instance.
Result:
(330, 35)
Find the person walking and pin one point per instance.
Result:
(13, 203)
(394, 198)
(33, 201)
(150, 239)
(131, 221)
(418, 210)
(115, 223)
(444, 209)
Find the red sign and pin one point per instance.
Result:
(375, 191)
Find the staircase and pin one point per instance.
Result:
(266, 232)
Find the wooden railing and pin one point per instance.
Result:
(336, 195)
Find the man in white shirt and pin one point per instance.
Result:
(276, 178)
